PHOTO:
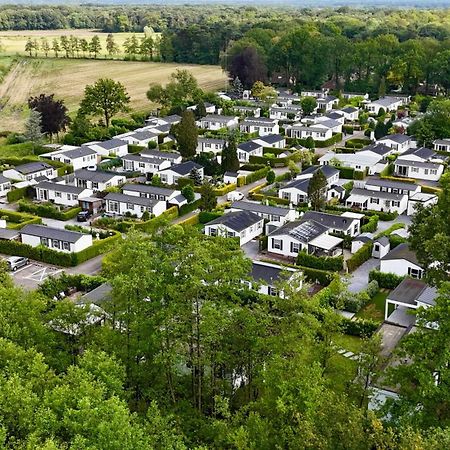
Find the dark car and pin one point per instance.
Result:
(83, 216)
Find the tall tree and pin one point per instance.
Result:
(55, 47)
(208, 199)
(248, 66)
(230, 161)
(186, 134)
(131, 46)
(308, 104)
(33, 127)
(105, 97)
(146, 48)
(53, 113)
(111, 46)
(45, 47)
(317, 190)
(95, 47)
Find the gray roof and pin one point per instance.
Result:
(402, 251)
(301, 185)
(259, 208)
(237, 220)
(161, 155)
(96, 176)
(399, 138)
(383, 240)
(304, 230)
(442, 141)
(148, 189)
(111, 143)
(211, 140)
(379, 149)
(3, 179)
(266, 273)
(32, 167)
(328, 171)
(174, 118)
(428, 296)
(51, 233)
(382, 182)
(144, 134)
(329, 220)
(139, 158)
(134, 200)
(8, 234)
(386, 101)
(78, 152)
(248, 146)
(258, 121)
(422, 152)
(217, 118)
(97, 295)
(184, 168)
(271, 138)
(334, 115)
(350, 109)
(59, 187)
(377, 194)
(408, 291)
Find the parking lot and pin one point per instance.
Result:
(33, 274)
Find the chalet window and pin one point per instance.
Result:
(213, 231)
(395, 203)
(426, 171)
(56, 243)
(295, 247)
(57, 194)
(130, 206)
(415, 273)
(66, 246)
(375, 201)
(272, 291)
(232, 233)
(277, 244)
(113, 206)
(433, 171)
(94, 185)
(286, 195)
(44, 241)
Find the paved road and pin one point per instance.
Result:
(359, 279)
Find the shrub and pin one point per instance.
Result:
(371, 226)
(182, 182)
(333, 140)
(97, 248)
(257, 175)
(53, 286)
(135, 148)
(348, 129)
(225, 189)
(152, 145)
(334, 264)
(252, 167)
(431, 190)
(358, 175)
(355, 302)
(385, 280)
(396, 226)
(18, 220)
(346, 172)
(395, 240)
(48, 210)
(207, 216)
(363, 328)
(16, 194)
(189, 207)
(373, 288)
(271, 199)
(194, 220)
(360, 257)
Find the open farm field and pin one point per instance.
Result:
(67, 78)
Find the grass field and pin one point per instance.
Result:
(67, 78)
(13, 42)
(375, 309)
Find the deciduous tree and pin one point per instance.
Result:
(317, 190)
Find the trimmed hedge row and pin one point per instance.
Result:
(189, 207)
(194, 220)
(48, 210)
(363, 328)
(346, 172)
(382, 215)
(334, 264)
(360, 257)
(431, 190)
(385, 280)
(18, 220)
(277, 200)
(207, 216)
(387, 232)
(16, 194)
(148, 225)
(333, 140)
(273, 162)
(400, 179)
(225, 189)
(371, 226)
(257, 175)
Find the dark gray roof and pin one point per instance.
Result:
(399, 138)
(329, 220)
(144, 134)
(148, 189)
(408, 291)
(8, 234)
(230, 174)
(97, 295)
(327, 170)
(139, 158)
(442, 141)
(96, 176)
(248, 146)
(271, 138)
(3, 179)
(362, 239)
(211, 140)
(78, 152)
(428, 296)
(160, 155)
(334, 115)
(383, 240)
(237, 220)
(134, 200)
(266, 273)
(184, 168)
(350, 109)
(377, 194)
(51, 233)
(422, 152)
(402, 251)
(111, 143)
(32, 167)
(426, 165)
(379, 149)
(304, 230)
(301, 185)
(217, 118)
(259, 208)
(174, 118)
(258, 120)
(382, 182)
(59, 187)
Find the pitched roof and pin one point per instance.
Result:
(301, 185)
(59, 187)
(399, 138)
(217, 118)
(110, 144)
(96, 176)
(259, 208)
(303, 231)
(139, 158)
(268, 273)
(328, 171)
(148, 189)
(379, 149)
(32, 167)
(329, 220)
(382, 182)
(421, 152)
(386, 101)
(237, 220)
(402, 251)
(376, 194)
(97, 295)
(52, 233)
(350, 109)
(249, 146)
(161, 155)
(3, 179)
(383, 240)
(78, 152)
(184, 168)
(134, 200)
(271, 138)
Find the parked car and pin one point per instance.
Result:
(83, 216)
(16, 262)
(234, 196)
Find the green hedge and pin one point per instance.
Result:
(395, 240)
(385, 280)
(346, 172)
(225, 189)
(257, 175)
(48, 210)
(270, 198)
(431, 190)
(149, 225)
(185, 209)
(363, 328)
(53, 286)
(132, 148)
(273, 162)
(16, 194)
(334, 264)
(97, 248)
(384, 216)
(207, 216)
(333, 140)
(359, 175)
(360, 257)
(371, 226)
(18, 220)
(252, 167)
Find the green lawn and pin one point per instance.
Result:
(350, 343)
(15, 150)
(375, 309)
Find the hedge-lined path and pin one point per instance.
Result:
(355, 135)
(359, 279)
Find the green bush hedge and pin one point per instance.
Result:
(16, 194)
(385, 280)
(257, 175)
(371, 226)
(270, 198)
(207, 216)
(225, 189)
(348, 129)
(359, 175)
(132, 148)
(363, 328)
(149, 225)
(97, 248)
(18, 220)
(273, 162)
(346, 172)
(373, 288)
(53, 286)
(252, 167)
(48, 210)
(384, 216)
(395, 240)
(185, 209)
(334, 264)
(360, 257)
(333, 140)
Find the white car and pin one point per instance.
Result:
(234, 196)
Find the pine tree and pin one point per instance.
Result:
(33, 127)
(195, 176)
(186, 134)
(317, 190)
(29, 46)
(208, 197)
(45, 46)
(230, 161)
(200, 110)
(238, 88)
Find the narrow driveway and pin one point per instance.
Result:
(359, 279)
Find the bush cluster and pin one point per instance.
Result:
(363, 328)
(18, 220)
(360, 257)
(48, 210)
(53, 286)
(207, 216)
(257, 175)
(385, 280)
(334, 264)
(371, 226)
